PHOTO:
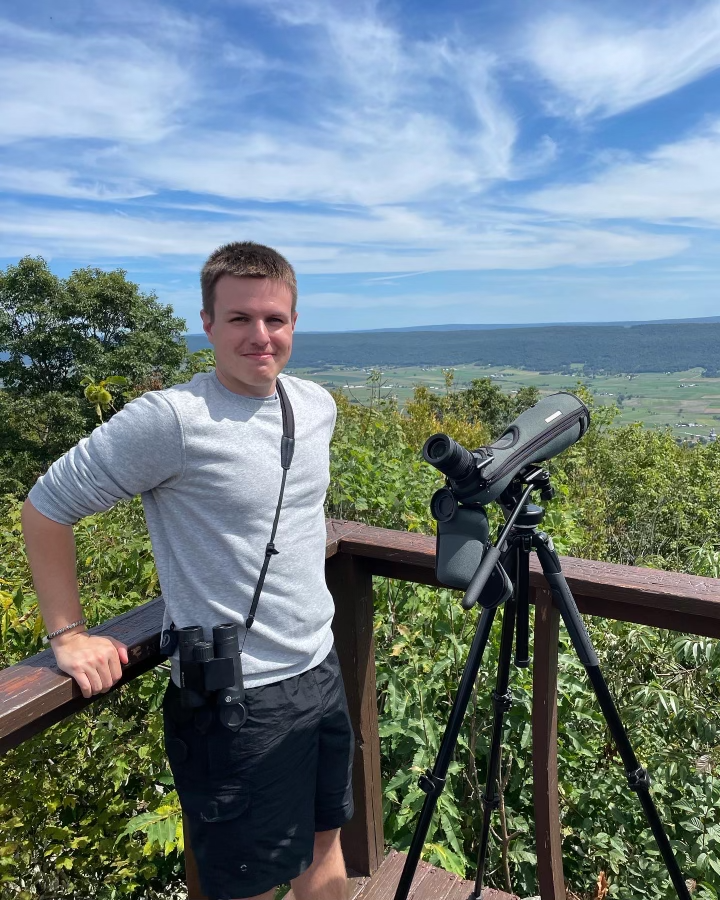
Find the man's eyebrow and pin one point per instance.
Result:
(243, 312)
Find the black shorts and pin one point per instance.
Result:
(254, 798)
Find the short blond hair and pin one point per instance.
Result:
(244, 259)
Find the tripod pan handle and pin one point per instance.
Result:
(481, 576)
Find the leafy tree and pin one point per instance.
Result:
(81, 819)
(94, 323)
(34, 432)
(66, 346)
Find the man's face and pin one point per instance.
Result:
(251, 333)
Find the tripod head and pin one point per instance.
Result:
(463, 531)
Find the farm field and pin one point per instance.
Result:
(683, 401)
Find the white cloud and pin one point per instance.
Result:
(392, 240)
(107, 87)
(64, 183)
(360, 150)
(679, 182)
(603, 66)
(402, 115)
(348, 164)
(381, 120)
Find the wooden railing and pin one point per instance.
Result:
(35, 695)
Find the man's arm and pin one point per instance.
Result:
(94, 662)
(138, 449)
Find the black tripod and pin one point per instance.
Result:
(519, 537)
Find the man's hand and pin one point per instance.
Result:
(93, 661)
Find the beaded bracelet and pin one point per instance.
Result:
(49, 637)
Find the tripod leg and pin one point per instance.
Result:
(522, 644)
(433, 781)
(502, 699)
(638, 778)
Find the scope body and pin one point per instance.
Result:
(479, 477)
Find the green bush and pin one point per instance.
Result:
(88, 807)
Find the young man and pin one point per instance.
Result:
(265, 803)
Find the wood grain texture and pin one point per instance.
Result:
(548, 837)
(351, 586)
(35, 694)
(429, 883)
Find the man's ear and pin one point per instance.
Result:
(294, 320)
(207, 324)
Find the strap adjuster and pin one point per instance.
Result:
(431, 784)
(639, 780)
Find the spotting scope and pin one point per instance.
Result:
(478, 477)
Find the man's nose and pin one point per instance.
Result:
(260, 333)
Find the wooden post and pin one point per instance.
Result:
(548, 839)
(350, 583)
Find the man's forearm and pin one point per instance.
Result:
(94, 662)
(51, 553)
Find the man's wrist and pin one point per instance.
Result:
(55, 638)
(62, 639)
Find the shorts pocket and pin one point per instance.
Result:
(176, 751)
(219, 807)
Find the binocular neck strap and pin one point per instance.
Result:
(287, 448)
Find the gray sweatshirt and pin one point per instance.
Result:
(206, 462)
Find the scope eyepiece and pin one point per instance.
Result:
(448, 457)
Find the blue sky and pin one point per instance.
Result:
(418, 162)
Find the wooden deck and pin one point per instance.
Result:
(429, 884)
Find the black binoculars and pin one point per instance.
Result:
(210, 668)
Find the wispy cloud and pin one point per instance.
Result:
(339, 244)
(104, 87)
(383, 119)
(64, 183)
(677, 183)
(603, 66)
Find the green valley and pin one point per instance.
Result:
(687, 402)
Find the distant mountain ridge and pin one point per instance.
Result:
(479, 327)
(625, 348)
(201, 341)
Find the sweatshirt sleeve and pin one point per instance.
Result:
(138, 449)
